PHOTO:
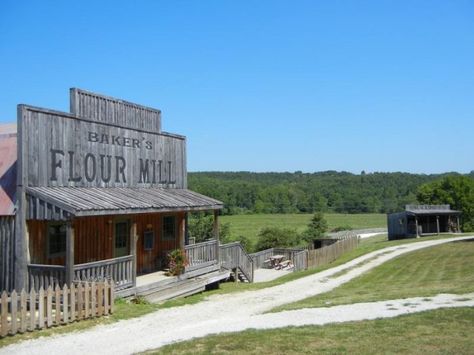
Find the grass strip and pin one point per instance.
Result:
(442, 331)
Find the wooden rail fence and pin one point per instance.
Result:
(21, 312)
(323, 256)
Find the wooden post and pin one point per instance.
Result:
(215, 230)
(133, 251)
(182, 230)
(21, 242)
(458, 226)
(437, 224)
(416, 226)
(69, 253)
(186, 229)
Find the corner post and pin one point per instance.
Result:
(416, 225)
(215, 231)
(437, 224)
(133, 251)
(21, 244)
(458, 227)
(69, 253)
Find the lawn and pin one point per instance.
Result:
(445, 268)
(250, 224)
(124, 310)
(442, 331)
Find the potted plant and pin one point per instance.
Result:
(177, 262)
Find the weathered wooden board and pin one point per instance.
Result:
(114, 111)
(7, 252)
(62, 149)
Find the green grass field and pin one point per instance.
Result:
(249, 225)
(443, 331)
(441, 269)
(444, 268)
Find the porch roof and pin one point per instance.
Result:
(430, 210)
(63, 202)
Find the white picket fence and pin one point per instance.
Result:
(29, 311)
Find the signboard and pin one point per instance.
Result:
(61, 149)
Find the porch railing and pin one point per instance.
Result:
(234, 256)
(45, 275)
(118, 269)
(201, 255)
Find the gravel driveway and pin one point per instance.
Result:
(239, 311)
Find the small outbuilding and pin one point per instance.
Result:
(419, 220)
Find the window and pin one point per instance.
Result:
(169, 227)
(148, 240)
(56, 240)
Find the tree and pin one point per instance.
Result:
(457, 191)
(201, 227)
(316, 227)
(274, 237)
(245, 241)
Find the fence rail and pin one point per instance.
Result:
(201, 254)
(21, 312)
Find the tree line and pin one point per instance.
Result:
(298, 192)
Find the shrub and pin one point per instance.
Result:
(274, 237)
(245, 241)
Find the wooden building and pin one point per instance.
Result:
(418, 220)
(100, 192)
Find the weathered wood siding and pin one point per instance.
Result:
(94, 240)
(7, 252)
(60, 149)
(397, 225)
(115, 111)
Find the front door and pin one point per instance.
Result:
(121, 239)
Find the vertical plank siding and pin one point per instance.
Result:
(30, 311)
(115, 111)
(94, 240)
(7, 252)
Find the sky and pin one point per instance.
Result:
(262, 85)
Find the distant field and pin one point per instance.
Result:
(250, 225)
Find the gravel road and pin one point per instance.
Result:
(244, 310)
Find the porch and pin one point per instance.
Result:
(208, 263)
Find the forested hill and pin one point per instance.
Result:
(328, 191)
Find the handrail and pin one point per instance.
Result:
(233, 256)
(103, 262)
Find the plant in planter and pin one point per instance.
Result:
(177, 261)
